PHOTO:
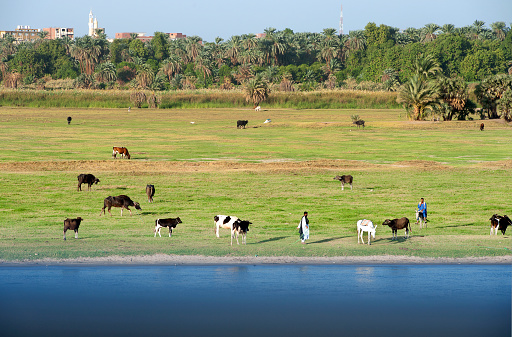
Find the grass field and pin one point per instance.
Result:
(267, 173)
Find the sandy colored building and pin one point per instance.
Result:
(58, 33)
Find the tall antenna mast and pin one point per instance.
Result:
(341, 21)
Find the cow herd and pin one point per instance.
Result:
(240, 227)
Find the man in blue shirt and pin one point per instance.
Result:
(422, 207)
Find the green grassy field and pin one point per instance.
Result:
(267, 173)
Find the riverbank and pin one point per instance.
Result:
(163, 259)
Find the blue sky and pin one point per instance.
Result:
(224, 18)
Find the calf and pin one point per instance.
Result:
(396, 224)
(420, 218)
(482, 127)
(240, 124)
(231, 222)
(345, 180)
(499, 222)
(122, 201)
(150, 191)
(241, 227)
(88, 179)
(170, 222)
(72, 224)
(359, 123)
(123, 151)
(258, 108)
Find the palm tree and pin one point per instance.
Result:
(426, 67)
(256, 90)
(171, 66)
(448, 29)
(234, 48)
(417, 96)
(106, 72)
(498, 28)
(145, 75)
(429, 32)
(193, 46)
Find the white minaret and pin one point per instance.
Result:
(341, 21)
(91, 24)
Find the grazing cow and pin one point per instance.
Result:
(123, 151)
(258, 108)
(365, 226)
(420, 218)
(396, 224)
(359, 123)
(150, 191)
(240, 124)
(345, 180)
(170, 222)
(233, 223)
(69, 120)
(88, 179)
(122, 201)
(499, 222)
(482, 127)
(72, 224)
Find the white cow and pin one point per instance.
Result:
(258, 108)
(365, 226)
(233, 223)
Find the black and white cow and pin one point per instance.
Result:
(241, 124)
(345, 179)
(232, 223)
(169, 222)
(88, 179)
(499, 222)
(73, 225)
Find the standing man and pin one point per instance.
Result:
(304, 228)
(422, 208)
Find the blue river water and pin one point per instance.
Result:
(247, 300)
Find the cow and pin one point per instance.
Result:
(365, 226)
(123, 151)
(359, 123)
(150, 191)
(88, 179)
(72, 224)
(396, 224)
(345, 180)
(499, 222)
(258, 108)
(122, 201)
(170, 222)
(240, 124)
(233, 223)
(69, 120)
(482, 127)
(420, 218)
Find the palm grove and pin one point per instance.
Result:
(434, 69)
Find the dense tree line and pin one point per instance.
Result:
(382, 55)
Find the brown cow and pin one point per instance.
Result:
(72, 224)
(122, 201)
(150, 191)
(359, 123)
(123, 151)
(396, 224)
(345, 180)
(88, 179)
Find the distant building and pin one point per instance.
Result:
(58, 33)
(22, 34)
(260, 35)
(144, 38)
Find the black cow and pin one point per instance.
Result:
(359, 123)
(241, 124)
(122, 201)
(72, 224)
(170, 222)
(241, 227)
(345, 180)
(150, 191)
(69, 120)
(396, 224)
(88, 179)
(499, 222)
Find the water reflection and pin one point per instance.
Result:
(256, 300)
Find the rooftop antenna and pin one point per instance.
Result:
(341, 21)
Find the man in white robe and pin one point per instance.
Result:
(304, 228)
